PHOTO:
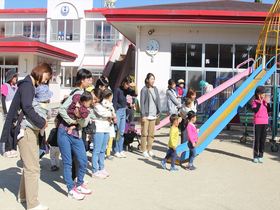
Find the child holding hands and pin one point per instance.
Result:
(192, 134)
(173, 142)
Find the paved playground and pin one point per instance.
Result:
(225, 179)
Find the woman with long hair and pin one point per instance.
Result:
(150, 109)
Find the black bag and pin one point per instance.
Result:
(90, 129)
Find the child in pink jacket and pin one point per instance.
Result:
(261, 108)
(192, 134)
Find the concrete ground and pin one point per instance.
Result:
(226, 179)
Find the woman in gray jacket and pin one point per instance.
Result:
(173, 103)
(150, 109)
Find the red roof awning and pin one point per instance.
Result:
(24, 44)
(31, 11)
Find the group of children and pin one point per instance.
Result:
(186, 118)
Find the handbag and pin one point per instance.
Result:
(157, 122)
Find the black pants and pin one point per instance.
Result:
(259, 143)
(183, 131)
(171, 153)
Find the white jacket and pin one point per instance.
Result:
(101, 118)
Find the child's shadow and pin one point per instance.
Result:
(152, 162)
(52, 177)
(10, 179)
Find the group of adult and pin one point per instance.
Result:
(70, 146)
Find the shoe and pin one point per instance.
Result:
(123, 155)
(99, 175)
(163, 164)
(75, 194)
(83, 190)
(174, 169)
(191, 167)
(110, 157)
(151, 154)
(10, 154)
(118, 155)
(40, 207)
(260, 160)
(54, 168)
(104, 172)
(145, 154)
(255, 160)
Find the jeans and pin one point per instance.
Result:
(121, 120)
(100, 141)
(192, 153)
(68, 144)
(171, 153)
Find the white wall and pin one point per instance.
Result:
(184, 34)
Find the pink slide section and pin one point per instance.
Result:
(224, 86)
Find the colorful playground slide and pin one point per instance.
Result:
(215, 124)
(216, 90)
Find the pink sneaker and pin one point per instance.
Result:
(75, 194)
(99, 175)
(105, 173)
(84, 190)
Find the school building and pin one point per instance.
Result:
(68, 34)
(190, 41)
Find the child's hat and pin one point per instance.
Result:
(203, 83)
(260, 90)
(43, 93)
(181, 81)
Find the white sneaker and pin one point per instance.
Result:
(40, 207)
(84, 190)
(99, 175)
(118, 155)
(74, 193)
(151, 154)
(123, 155)
(104, 172)
(145, 154)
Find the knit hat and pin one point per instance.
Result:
(260, 90)
(43, 93)
(11, 74)
(203, 83)
(181, 81)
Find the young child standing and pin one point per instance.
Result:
(261, 108)
(173, 142)
(108, 104)
(192, 133)
(103, 119)
(183, 112)
(54, 149)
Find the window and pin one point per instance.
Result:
(27, 29)
(177, 74)
(178, 55)
(226, 56)
(211, 77)
(39, 30)
(244, 52)
(100, 37)
(2, 29)
(211, 55)
(194, 77)
(65, 30)
(9, 28)
(194, 55)
(69, 76)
